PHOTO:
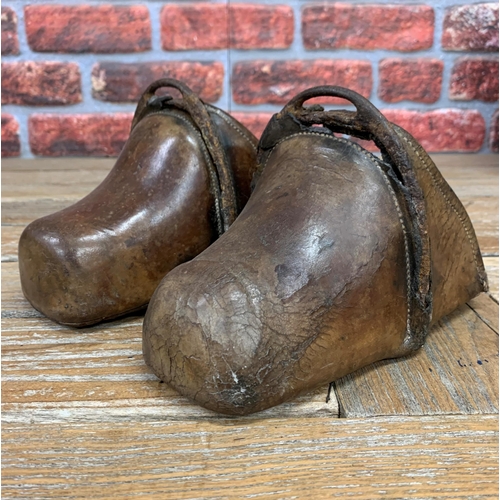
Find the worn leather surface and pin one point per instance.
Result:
(315, 279)
(105, 255)
(457, 267)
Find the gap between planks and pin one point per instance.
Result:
(455, 372)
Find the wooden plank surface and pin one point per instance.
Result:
(10, 239)
(487, 310)
(491, 266)
(13, 302)
(84, 418)
(32, 189)
(483, 212)
(388, 458)
(456, 371)
(477, 187)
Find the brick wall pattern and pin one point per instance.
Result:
(73, 71)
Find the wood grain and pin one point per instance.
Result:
(472, 173)
(32, 189)
(390, 458)
(60, 184)
(491, 266)
(483, 213)
(13, 302)
(10, 240)
(25, 211)
(474, 179)
(63, 164)
(487, 310)
(455, 372)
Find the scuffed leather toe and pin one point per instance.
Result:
(202, 335)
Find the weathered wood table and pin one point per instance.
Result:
(83, 417)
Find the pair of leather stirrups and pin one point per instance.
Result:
(338, 259)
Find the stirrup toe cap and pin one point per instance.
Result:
(55, 275)
(203, 337)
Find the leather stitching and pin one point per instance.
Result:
(436, 183)
(233, 125)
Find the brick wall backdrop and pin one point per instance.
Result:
(72, 72)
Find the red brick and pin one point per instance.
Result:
(122, 82)
(261, 26)
(41, 83)
(471, 27)
(416, 80)
(255, 122)
(474, 78)
(197, 26)
(276, 82)
(368, 27)
(10, 136)
(205, 26)
(493, 139)
(78, 135)
(88, 28)
(442, 129)
(10, 43)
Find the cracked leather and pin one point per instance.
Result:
(338, 260)
(176, 186)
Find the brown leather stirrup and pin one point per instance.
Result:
(223, 188)
(176, 187)
(368, 123)
(338, 260)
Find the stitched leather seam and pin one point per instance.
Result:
(449, 202)
(405, 236)
(393, 195)
(233, 125)
(211, 170)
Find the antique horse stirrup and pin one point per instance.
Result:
(177, 185)
(339, 259)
